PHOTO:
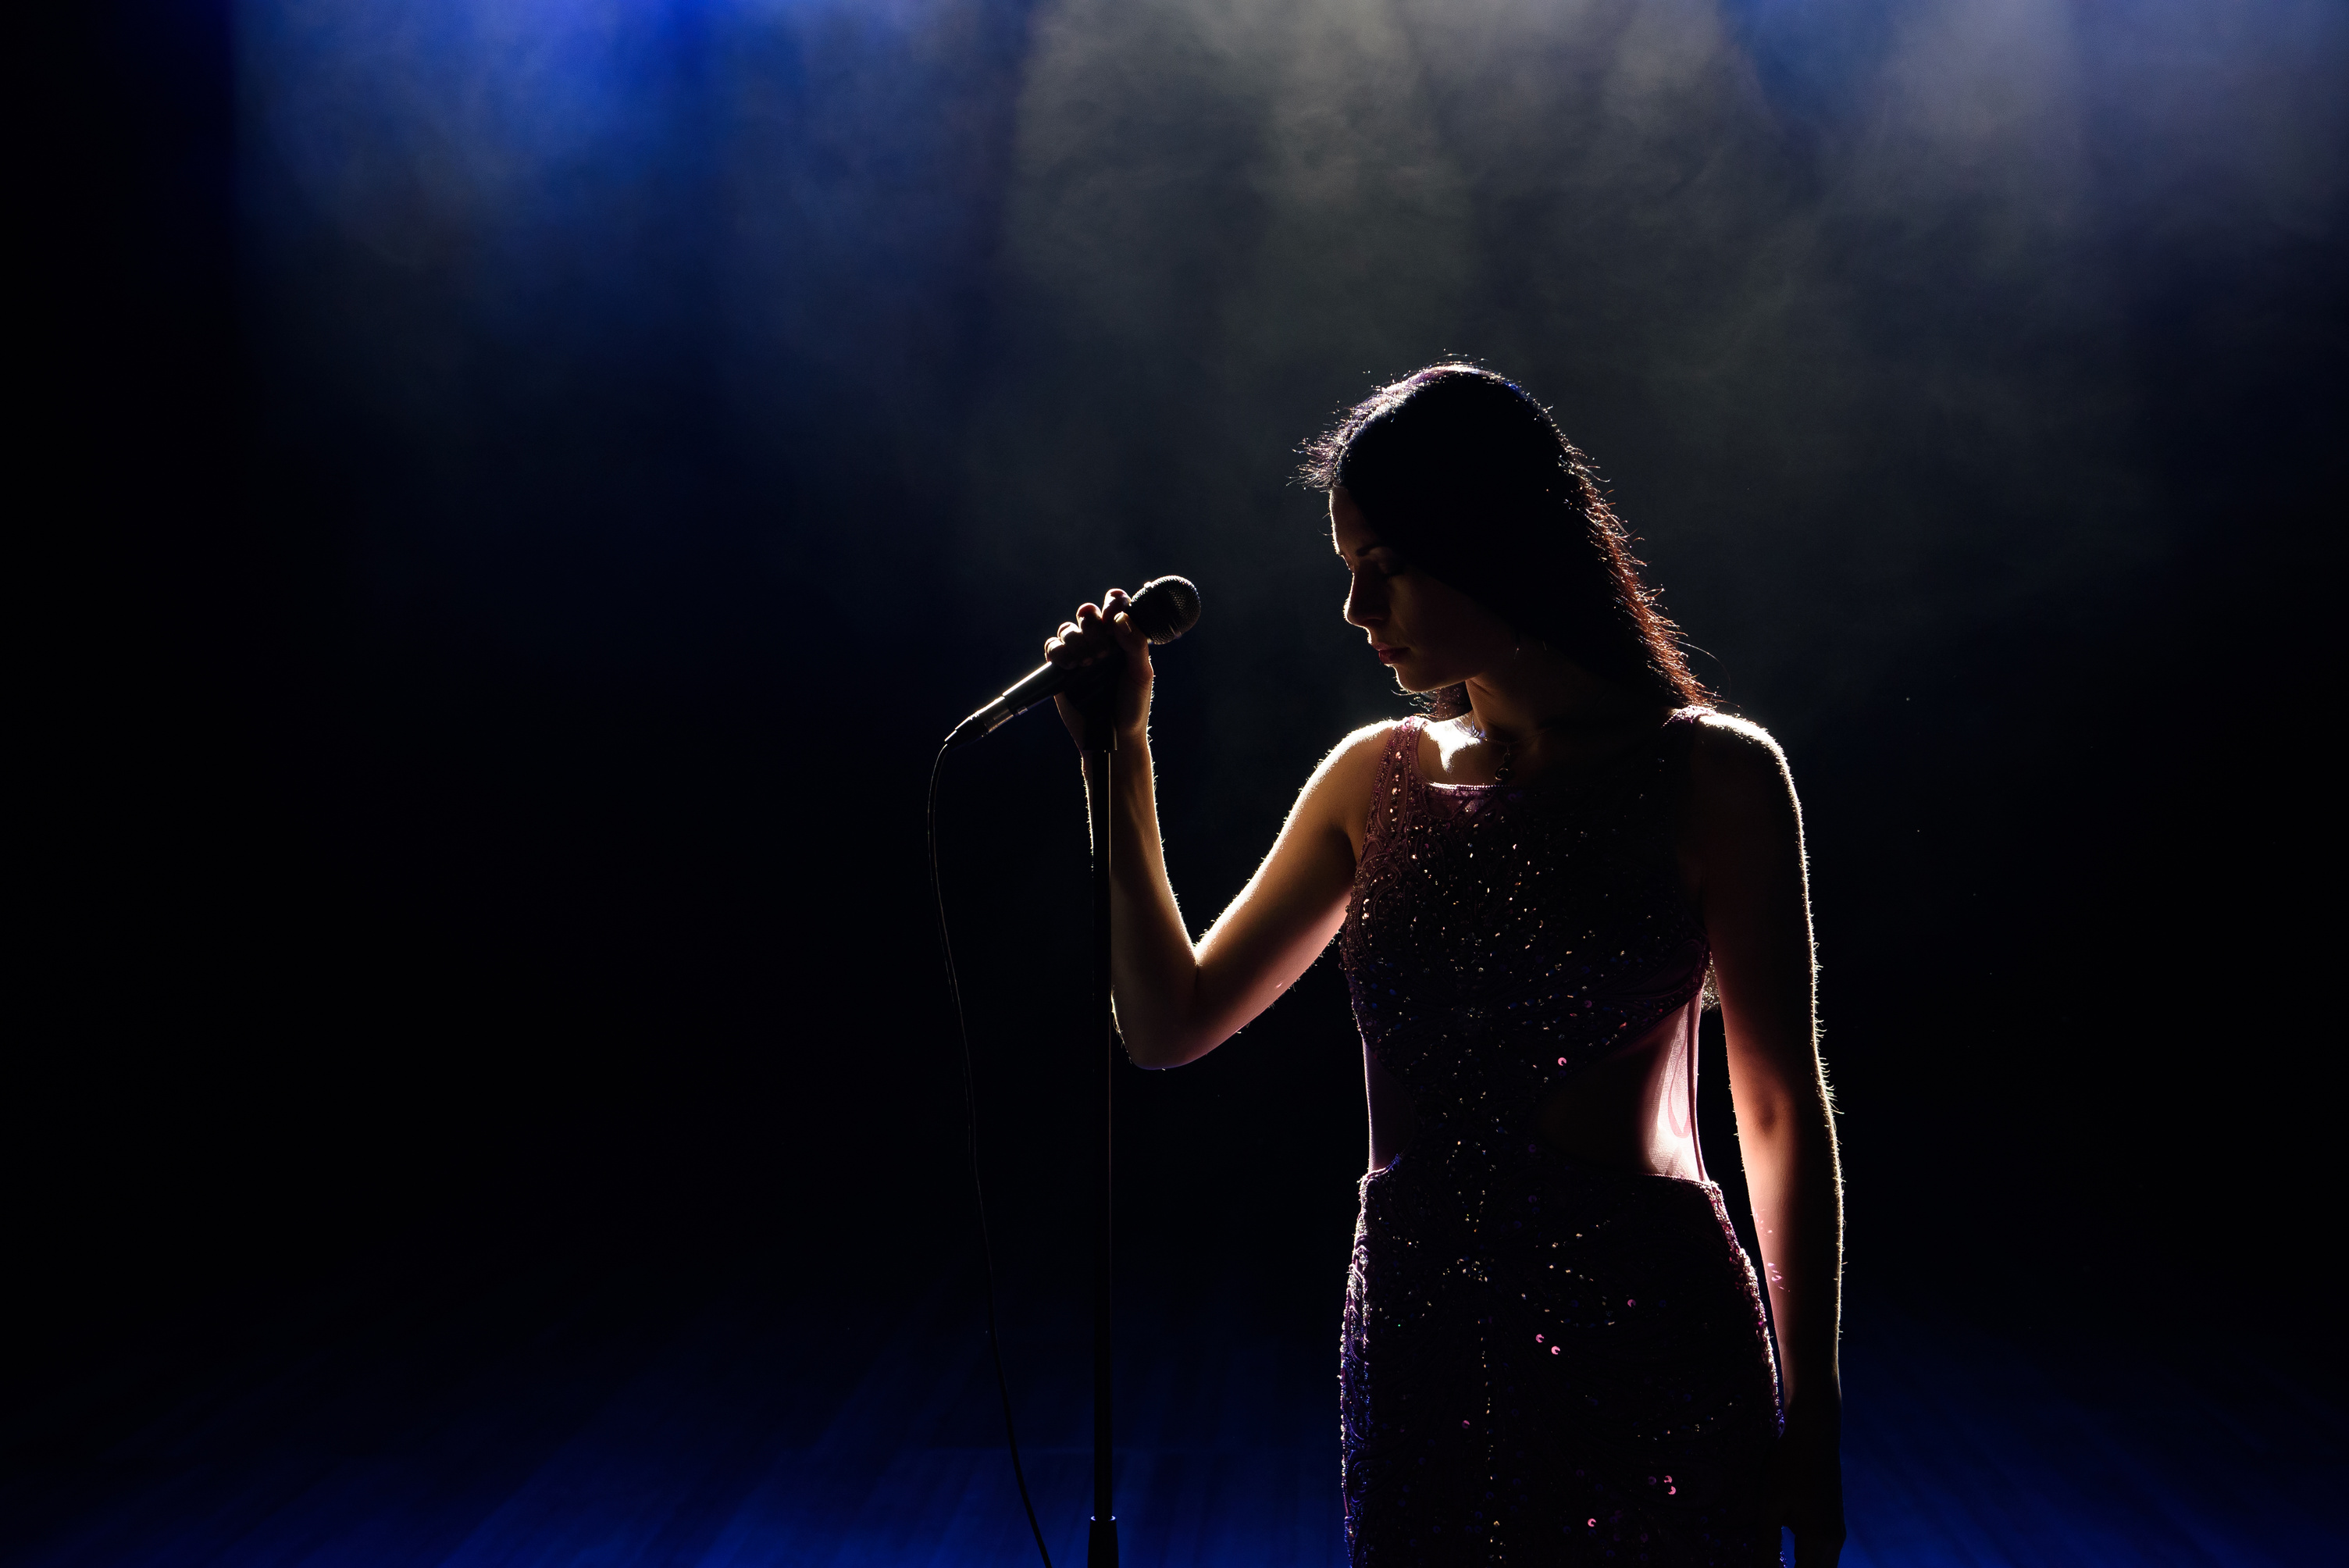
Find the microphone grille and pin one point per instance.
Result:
(1166, 608)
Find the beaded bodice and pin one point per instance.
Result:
(1548, 1355)
(1500, 938)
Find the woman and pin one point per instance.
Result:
(1554, 1348)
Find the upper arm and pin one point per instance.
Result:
(1754, 898)
(1271, 933)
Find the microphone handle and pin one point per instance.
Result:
(1045, 680)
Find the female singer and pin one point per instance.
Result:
(1554, 1349)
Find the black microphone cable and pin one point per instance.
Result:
(977, 1186)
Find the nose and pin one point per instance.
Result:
(1366, 602)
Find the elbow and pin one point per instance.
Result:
(1781, 1120)
(1760, 1124)
(1151, 1055)
(1766, 1115)
(1157, 1049)
(1170, 1035)
(1152, 1051)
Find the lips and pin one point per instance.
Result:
(1388, 654)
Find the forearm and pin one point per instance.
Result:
(1792, 1175)
(1154, 966)
(1748, 827)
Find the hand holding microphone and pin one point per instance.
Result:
(1120, 627)
(1103, 634)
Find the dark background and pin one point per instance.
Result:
(515, 494)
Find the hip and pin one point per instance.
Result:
(1586, 1248)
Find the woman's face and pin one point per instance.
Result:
(1429, 633)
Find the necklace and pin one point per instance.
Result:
(1508, 747)
(1508, 752)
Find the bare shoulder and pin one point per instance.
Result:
(1360, 752)
(1352, 765)
(1340, 787)
(1737, 769)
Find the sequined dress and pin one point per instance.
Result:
(1544, 1360)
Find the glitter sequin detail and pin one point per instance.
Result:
(1543, 1360)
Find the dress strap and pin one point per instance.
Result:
(1684, 724)
(1392, 794)
(1677, 739)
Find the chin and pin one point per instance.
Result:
(1412, 676)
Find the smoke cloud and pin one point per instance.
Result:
(1844, 306)
(1889, 326)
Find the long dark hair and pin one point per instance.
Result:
(1472, 481)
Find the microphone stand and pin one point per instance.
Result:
(1164, 609)
(1100, 747)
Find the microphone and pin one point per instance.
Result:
(1164, 609)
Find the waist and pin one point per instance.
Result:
(1480, 1011)
(1436, 1194)
(1628, 1104)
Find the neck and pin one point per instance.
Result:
(1540, 690)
